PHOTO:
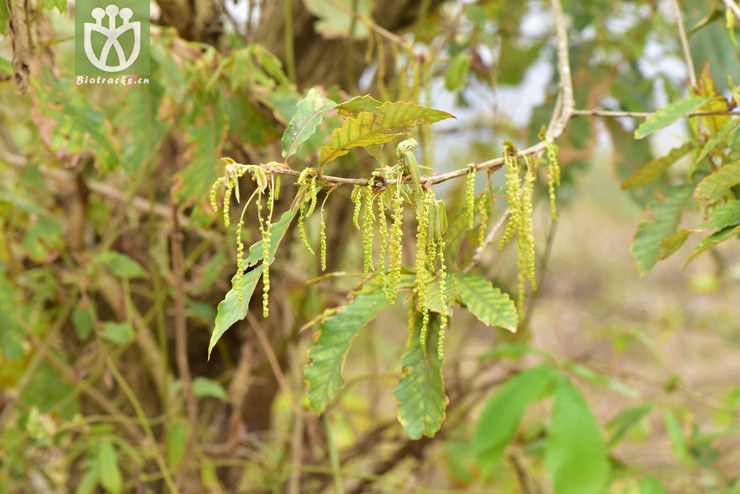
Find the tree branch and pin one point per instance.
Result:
(684, 42)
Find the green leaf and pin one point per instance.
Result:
(208, 388)
(110, 474)
(726, 215)
(658, 223)
(670, 245)
(229, 309)
(323, 372)
(335, 17)
(669, 114)
(176, 435)
(408, 115)
(434, 300)
(625, 420)
(420, 392)
(678, 441)
(576, 455)
(500, 417)
(308, 114)
(82, 321)
(456, 76)
(651, 485)
(655, 168)
(714, 185)
(5, 66)
(204, 137)
(122, 265)
(358, 104)
(727, 129)
(120, 333)
(489, 304)
(713, 240)
(363, 130)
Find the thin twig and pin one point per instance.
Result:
(181, 343)
(684, 42)
(487, 241)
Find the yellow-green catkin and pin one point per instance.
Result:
(239, 260)
(357, 201)
(553, 174)
(525, 237)
(422, 275)
(395, 252)
(485, 203)
(214, 192)
(227, 201)
(368, 226)
(276, 188)
(308, 204)
(382, 237)
(267, 246)
(513, 197)
(444, 318)
(470, 196)
(322, 234)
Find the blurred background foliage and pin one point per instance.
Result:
(101, 184)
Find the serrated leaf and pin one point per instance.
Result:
(363, 130)
(433, 298)
(671, 244)
(576, 454)
(323, 372)
(714, 185)
(730, 127)
(122, 265)
(625, 420)
(726, 215)
(655, 168)
(669, 114)
(229, 309)
(713, 240)
(420, 392)
(308, 114)
(658, 223)
(110, 474)
(456, 75)
(358, 104)
(407, 114)
(208, 388)
(706, 88)
(490, 305)
(500, 417)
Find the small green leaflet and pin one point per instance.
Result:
(456, 75)
(669, 114)
(421, 392)
(308, 114)
(326, 356)
(358, 104)
(655, 168)
(490, 305)
(651, 485)
(576, 455)
(625, 420)
(670, 245)
(176, 435)
(500, 417)
(229, 309)
(658, 224)
(714, 185)
(675, 433)
(110, 473)
(208, 388)
(122, 265)
(120, 333)
(726, 215)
